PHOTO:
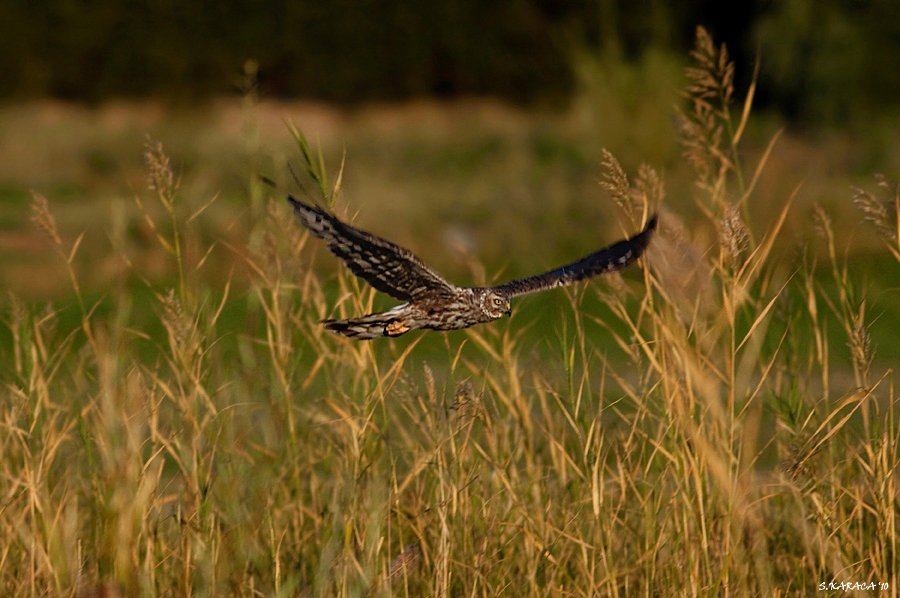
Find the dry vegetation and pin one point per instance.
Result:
(200, 440)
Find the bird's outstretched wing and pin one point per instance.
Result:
(614, 257)
(386, 266)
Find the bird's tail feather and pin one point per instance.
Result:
(357, 329)
(367, 327)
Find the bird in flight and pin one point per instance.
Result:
(431, 301)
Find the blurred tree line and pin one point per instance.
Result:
(820, 59)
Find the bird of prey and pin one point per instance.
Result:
(431, 301)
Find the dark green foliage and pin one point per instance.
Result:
(821, 61)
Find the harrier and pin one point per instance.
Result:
(432, 302)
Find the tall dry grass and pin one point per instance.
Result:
(720, 447)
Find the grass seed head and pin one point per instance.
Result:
(733, 235)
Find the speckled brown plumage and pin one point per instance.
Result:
(432, 302)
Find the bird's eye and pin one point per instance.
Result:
(498, 302)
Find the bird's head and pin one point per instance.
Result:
(494, 305)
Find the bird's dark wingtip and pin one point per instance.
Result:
(651, 224)
(296, 203)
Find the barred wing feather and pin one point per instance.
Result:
(615, 257)
(388, 267)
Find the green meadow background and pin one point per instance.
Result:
(719, 420)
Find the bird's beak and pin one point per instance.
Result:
(508, 310)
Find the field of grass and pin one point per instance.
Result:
(722, 420)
